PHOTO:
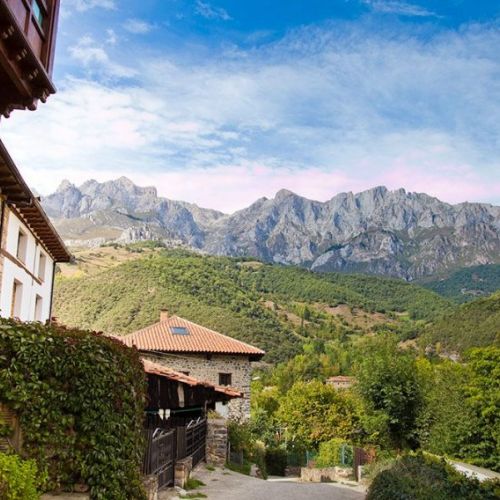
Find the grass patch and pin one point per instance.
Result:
(242, 469)
(194, 495)
(210, 468)
(193, 483)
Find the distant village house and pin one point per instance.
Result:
(341, 381)
(204, 354)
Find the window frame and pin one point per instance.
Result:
(22, 246)
(42, 258)
(179, 330)
(225, 379)
(38, 308)
(17, 299)
(40, 7)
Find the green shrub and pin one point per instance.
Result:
(418, 477)
(276, 461)
(242, 441)
(18, 478)
(335, 452)
(80, 401)
(242, 469)
(258, 457)
(240, 437)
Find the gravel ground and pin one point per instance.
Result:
(222, 484)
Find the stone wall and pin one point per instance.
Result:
(183, 468)
(217, 442)
(150, 487)
(207, 368)
(324, 475)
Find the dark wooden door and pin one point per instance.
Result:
(160, 455)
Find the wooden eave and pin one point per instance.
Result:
(23, 202)
(163, 388)
(29, 80)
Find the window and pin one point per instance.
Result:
(37, 12)
(38, 308)
(42, 260)
(17, 299)
(224, 379)
(179, 330)
(22, 245)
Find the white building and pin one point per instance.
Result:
(29, 249)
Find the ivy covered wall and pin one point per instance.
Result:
(79, 397)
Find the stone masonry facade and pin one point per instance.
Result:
(208, 367)
(217, 442)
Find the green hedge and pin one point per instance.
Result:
(19, 479)
(80, 400)
(335, 452)
(418, 477)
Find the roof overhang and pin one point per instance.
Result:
(19, 197)
(153, 368)
(26, 79)
(250, 356)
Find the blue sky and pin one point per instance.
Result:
(220, 103)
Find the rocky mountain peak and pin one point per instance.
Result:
(284, 194)
(65, 185)
(395, 233)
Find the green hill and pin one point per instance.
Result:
(475, 324)
(468, 284)
(259, 303)
(372, 293)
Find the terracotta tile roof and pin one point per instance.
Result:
(163, 371)
(159, 337)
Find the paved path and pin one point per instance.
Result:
(473, 471)
(228, 485)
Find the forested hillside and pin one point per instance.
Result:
(274, 307)
(475, 324)
(468, 284)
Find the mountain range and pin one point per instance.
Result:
(378, 231)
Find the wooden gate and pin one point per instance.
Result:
(191, 440)
(362, 457)
(160, 455)
(196, 438)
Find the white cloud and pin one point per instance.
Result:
(208, 11)
(399, 8)
(111, 37)
(87, 52)
(320, 111)
(137, 26)
(83, 5)
(93, 56)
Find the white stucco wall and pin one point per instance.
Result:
(12, 271)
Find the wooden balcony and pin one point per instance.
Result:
(27, 43)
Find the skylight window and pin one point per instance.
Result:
(179, 330)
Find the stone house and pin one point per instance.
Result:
(202, 353)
